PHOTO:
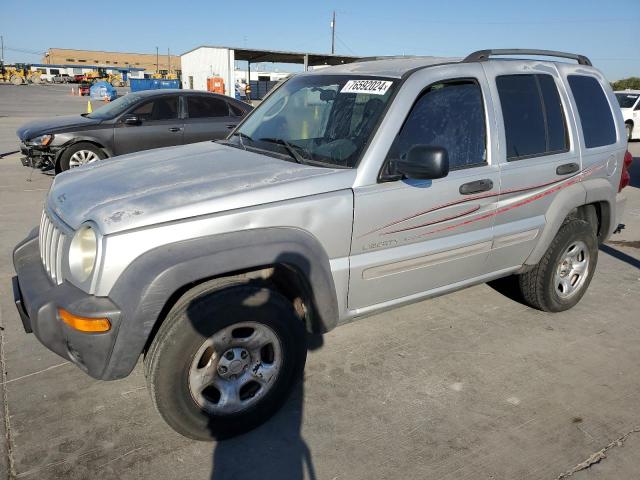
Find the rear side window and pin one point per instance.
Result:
(534, 121)
(595, 114)
(448, 115)
(203, 107)
(235, 110)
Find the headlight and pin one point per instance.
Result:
(82, 253)
(42, 140)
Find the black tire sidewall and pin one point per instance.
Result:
(201, 318)
(63, 162)
(571, 231)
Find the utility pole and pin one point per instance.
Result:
(157, 61)
(168, 60)
(333, 33)
(2, 46)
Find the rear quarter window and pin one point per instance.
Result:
(598, 126)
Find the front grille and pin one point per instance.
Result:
(51, 241)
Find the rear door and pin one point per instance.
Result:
(208, 118)
(415, 236)
(540, 154)
(159, 125)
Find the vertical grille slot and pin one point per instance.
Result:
(51, 241)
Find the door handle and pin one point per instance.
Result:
(231, 125)
(478, 186)
(567, 168)
(175, 129)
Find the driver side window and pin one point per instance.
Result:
(163, 108)
(449, 115)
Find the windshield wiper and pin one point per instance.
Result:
(241, 135)
(291, 149)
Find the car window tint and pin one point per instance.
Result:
(448, 115)
(203, 107)
(556, 126)
(523, 115)
(534, 120)
(595, 114)
(164, 108)
(235, 110)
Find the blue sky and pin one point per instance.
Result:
(610, 37)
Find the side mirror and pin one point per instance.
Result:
(424, 162)
(131, 119)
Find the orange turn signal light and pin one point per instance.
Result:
(84, 324)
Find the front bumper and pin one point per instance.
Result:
(37, 157)
(38, 300)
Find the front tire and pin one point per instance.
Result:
(563, 274)
(224, 361)
(79, 154)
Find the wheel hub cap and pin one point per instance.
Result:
(235, 368)
(82, 157)
(573, 269)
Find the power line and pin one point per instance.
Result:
(345, 45)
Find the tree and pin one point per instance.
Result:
(632, 83)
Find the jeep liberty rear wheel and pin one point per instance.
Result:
(563, 274)
(224, 361)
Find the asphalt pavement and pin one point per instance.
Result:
(472, 385)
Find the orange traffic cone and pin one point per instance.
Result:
(73, 92)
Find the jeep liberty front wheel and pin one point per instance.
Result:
(563, 274)
(224, 361)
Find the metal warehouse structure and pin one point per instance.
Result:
(206, 61)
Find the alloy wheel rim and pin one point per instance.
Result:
(235, 368)
(572, 270)
(82, 157)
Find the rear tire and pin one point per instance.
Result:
(204, 324)
(563, 274)
(79, 154)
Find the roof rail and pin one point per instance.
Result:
(385, 57)
(482, 55)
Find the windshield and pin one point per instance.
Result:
(627, 100)
(115, 108)
(318, 119)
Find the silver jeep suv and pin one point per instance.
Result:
(347, 191)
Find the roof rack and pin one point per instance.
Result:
(482, 55)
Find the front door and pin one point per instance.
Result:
(159, 125)
(411, 236)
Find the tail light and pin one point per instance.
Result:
(625, 178)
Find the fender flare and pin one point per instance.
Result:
(564, 202)
(147, 284)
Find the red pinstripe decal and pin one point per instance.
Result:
(440, 220)
(525, 201)
(560, 184)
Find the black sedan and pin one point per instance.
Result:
(134, 122)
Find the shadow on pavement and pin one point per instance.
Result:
(276, 449)
(634, 262)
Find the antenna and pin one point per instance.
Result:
(333, 33)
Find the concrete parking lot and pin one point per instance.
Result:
(473, 385)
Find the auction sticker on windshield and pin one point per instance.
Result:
(374, 87)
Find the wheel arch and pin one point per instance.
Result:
(288, 259)
(591, 203)
(77, 140)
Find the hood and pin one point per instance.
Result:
(60, 124)
(163, 185)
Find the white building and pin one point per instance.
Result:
(204, 62)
